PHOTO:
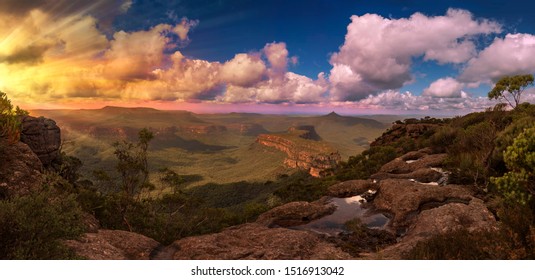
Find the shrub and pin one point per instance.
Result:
(461, 245)
(32, 227)
(369, 162)
(9, 119)
(518, 185)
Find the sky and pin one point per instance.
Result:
(314, 56)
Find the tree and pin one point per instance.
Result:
(513, 86)
(132, 165)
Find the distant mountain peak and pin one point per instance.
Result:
(332, 114)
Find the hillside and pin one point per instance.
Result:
(218, 147)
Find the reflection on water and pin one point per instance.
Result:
(347, 209)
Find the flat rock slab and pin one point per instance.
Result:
(422, 175)
(296, 213)
(256, 242)
(113, 245)
(351, 188)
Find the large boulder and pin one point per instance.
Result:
(405, 199)
(43, 136)
(473, 216)
(20, 170)
(254, 242)
(296, 213)
(113, 245)
(420, 166)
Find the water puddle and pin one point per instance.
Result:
(346, 209)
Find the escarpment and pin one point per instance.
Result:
(302, 152)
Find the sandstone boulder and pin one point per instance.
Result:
(296, 213)
(43, 136)
(255, 242)
(20, 170)
(403, 198)
(351, 188)
(113, 245)
(473, 216)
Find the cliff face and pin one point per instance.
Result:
(22, 163)
(302, 154)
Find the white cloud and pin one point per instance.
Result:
(293, 88)
(395, 100)
(446, 87)
(515, 54)
(243, 70)
(379, 51)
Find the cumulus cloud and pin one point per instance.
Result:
(186, 80)
(377, 53)
(277, 55)
(248, 79)
(395, 100)
(243, 70)
(294, 88)
(511, 55)
(446, 87)
(135, 55)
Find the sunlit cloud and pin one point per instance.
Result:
(377, 53)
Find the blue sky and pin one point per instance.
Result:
(307, 56)
(311, 29)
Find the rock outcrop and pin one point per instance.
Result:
(405, 199)
(254, 242)
(351, 188)
(473, 217)
(412, 129)
(113, 245)
(43, 136)
(420, 166)
(295, 213)
(309, 155)
(20, 170)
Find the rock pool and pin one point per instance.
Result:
(346, 209)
